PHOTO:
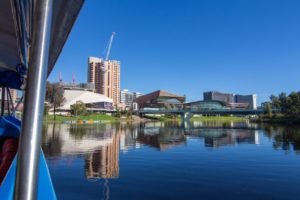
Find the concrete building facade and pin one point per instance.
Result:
(128, 97)
(106, 77)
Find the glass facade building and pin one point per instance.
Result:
(206, 105)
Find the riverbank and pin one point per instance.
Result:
(279, 119)
(220, 118)
(61, 119)
(92, 119)
(162, 118)
(108, 118)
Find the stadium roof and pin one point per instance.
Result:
(73, 96)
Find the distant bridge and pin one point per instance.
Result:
(187, 114)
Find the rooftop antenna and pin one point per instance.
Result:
(73, 79)
(60, 78)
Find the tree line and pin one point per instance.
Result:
(288, 105)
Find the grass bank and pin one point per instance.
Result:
(58, 118)
(162, 118)
(219, 118)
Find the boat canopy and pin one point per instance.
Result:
(17, 20)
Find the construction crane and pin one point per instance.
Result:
(108, 48)
(109, 45)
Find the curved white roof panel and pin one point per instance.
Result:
(72, 96)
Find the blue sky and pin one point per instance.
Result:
(190, 46)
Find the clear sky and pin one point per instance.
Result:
(190, 46)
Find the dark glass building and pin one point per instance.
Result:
(218, 96)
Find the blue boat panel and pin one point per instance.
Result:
(45, 186)
(9, 127)
(45, 190)
(7, 186)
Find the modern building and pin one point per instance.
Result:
(233, 101)
(94, 102)
(106, 77)
(160, 99)
(205, 105)
(218, 96)
(137, 95)
(128, 97)
(250, 99)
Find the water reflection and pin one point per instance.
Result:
(104, 162)
(100, 145)
(157, 135)
(286, 138)
(100, 149)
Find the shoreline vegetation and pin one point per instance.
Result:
(220, 118)
(110, 118)
(286, 107)
(274, 119)
(277, 119)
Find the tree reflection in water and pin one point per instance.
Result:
(285, 137)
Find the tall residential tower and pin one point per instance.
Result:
(106, 77)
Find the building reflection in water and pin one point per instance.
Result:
(221, 138)
(104, 162)
(99, 146)
(162, 137)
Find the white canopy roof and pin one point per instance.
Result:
(73, 96)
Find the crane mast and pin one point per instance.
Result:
(104, 66)
(109, 45)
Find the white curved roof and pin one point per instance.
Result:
(72, 96)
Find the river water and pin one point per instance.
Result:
(156, 160)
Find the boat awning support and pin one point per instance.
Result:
(32, 119)
(2, 100)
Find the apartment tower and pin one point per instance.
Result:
(106, 77)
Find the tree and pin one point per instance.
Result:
(276, 103)
(54, 95)
(46, 109)
(78, 108)
(293, 104)
(288, 105)
(268, 109)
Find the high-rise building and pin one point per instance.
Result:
(106, 77)
(126, 97)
